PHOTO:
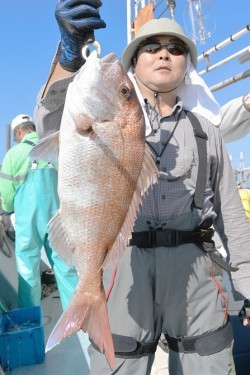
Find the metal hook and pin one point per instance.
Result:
(86, 52)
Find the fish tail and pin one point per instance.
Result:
(91, 318)
(96, 323)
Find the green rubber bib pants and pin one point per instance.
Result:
(34, 204)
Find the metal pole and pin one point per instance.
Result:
(171, 7)
(129, 31)
(225, 42)
(229, 58)
(136, 7)
(231, 80)
(192, 20)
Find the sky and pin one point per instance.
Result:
(29, 35)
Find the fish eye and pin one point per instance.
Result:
(124, 91)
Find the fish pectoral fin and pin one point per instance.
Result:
(59, 240)
(47, 149)
(148, 176)
(91, 317)
(83, 123)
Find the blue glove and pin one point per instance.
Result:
(76, 19)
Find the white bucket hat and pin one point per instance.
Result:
(161, 26)
(20, 119)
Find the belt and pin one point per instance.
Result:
(128, 347)
(173, 238)
(206, 344)
(169, 237)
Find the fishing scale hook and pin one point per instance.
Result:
(86, 52)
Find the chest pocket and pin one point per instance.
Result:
(177, 162)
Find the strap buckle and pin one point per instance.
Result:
(34, 164)
(51, 165)
(206, 234)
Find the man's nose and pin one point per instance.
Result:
(163, 53)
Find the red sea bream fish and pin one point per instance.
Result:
(105, 167)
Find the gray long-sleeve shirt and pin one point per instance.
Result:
(173, 195)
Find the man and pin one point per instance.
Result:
(29, 189)
(170, 280)
(235, 122)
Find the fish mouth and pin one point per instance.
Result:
(109, 59)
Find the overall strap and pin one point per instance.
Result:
(201, 140)
(29, 142)
(34, 163)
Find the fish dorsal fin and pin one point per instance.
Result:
(47, 149)
(148, 176)
(59, 240)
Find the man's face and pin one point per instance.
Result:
(161, 70)
(15, 134)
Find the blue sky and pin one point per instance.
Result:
(29, 35)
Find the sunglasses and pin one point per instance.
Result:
(174, 48)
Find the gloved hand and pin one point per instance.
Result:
(76, 19)
(244, 313)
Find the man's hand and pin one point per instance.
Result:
(77, 19)
(244, 313)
